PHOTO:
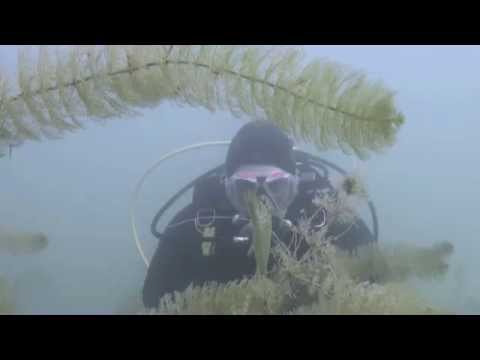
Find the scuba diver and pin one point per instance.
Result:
(209, 239)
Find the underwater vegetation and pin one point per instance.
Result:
(7, 142)
(17, 243)
(317, 284)
(7, 300)
(398, 262)
(324, 280)
(322, 102)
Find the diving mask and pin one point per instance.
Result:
(275, 185)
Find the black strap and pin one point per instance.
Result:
(301, 157)
(158, 215)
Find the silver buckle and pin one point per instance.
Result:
(324, 222)
(206, 229)
(207, 213)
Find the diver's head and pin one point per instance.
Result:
(261, 159)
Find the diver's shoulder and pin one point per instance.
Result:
(210, 193)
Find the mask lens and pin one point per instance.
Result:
(243, 186)
(281, 187)
(278, 187)
(282, 190)
(237, 189)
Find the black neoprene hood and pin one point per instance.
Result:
(260, 142)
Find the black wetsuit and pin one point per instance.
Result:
(185, 256)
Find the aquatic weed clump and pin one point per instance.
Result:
(398, 262)
(318, 283)
(324, 279)
(7, 301)
(256, 296)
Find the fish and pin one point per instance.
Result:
(261, 219)
(20, 243)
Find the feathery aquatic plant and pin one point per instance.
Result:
(320, 101)
(316, 284)
(7, 301)
(324, 280)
